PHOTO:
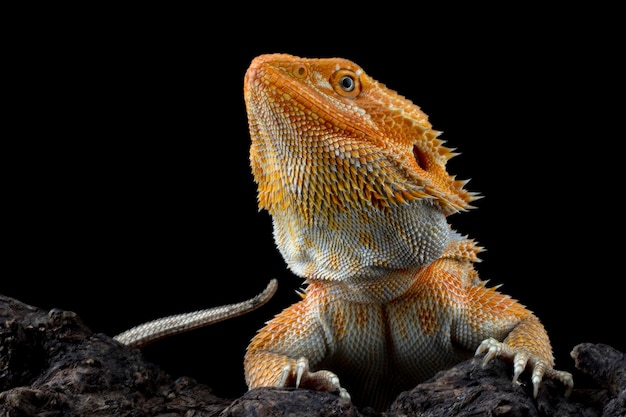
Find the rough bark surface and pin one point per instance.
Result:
(52, 365)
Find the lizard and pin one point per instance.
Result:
(354, 178)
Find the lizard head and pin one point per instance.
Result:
(352, 173)
(364, 140)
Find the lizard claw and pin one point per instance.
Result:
(521, 360)
(322, 380)
(302, 367)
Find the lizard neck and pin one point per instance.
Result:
(365, 245)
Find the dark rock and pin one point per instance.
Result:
(290, 402)
(52, 365)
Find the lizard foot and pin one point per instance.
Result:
(321, 380)
(521, 360)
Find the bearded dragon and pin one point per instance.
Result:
(354, 177)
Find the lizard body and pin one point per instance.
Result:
(354, 177)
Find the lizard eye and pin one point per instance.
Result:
(346, 83)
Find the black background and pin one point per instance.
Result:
(128, 188)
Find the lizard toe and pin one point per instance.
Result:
(491, 348)
(343, 393)
(563, 377)
(520, 360)
(302, 368)
(539, 370)
(284, 377)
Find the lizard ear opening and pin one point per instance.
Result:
(420, 158)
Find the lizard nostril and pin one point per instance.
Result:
(300, 71)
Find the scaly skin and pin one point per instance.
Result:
(355, 180)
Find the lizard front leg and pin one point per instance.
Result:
(526, 344)
(267, 362)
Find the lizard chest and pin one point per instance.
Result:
(403, 341)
